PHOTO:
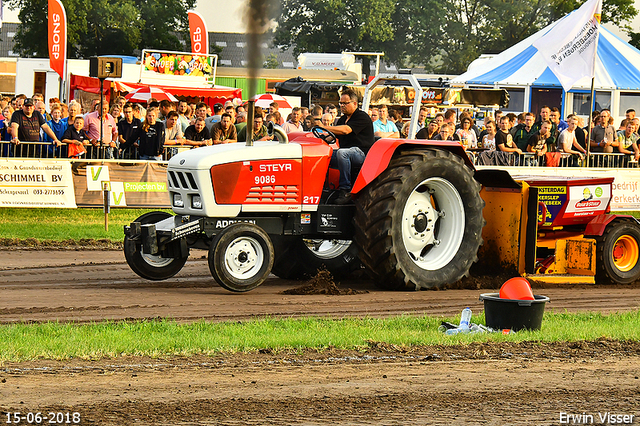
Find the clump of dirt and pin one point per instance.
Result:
(70, 244)
(322, 283)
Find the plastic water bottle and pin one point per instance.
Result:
(465, 318)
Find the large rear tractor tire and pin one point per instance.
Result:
(241, 257)
(618, 253)
(151, 267)
(419, 224)
(298, 258)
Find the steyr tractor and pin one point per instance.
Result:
(416, 221)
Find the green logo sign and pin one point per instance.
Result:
(598, 192)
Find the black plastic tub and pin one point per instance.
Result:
(511, 314)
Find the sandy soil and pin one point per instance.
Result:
(490, 384)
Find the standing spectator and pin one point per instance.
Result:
(229, 109)
(422, 118)
(396, 118)
(173, 132)
(383, 127)
(104, 148)
(446, 132)
(76, 138)
(150, 137)
(429, 132)
(259, 130)
(603, 135)
(126, 127)
(224, 131)
(165, 107)
(581, 134)
(630, 114)
(636, 124)
(183, 107)
(275, 107)
(450, 116)
(628, 141)
(489, 139)
(116, 112)
(504, 140)
(74, 109)
(5, 132)
(294, 124)
(468, 137)
(554, 116)
(537, 143)
(327, 119)
(241, 121)
(197, 134)
(567, 141)
(522, 135)
(216, 116)
(333, 110)
(25, 126)
(304, 111)
(58, 126)
(545, 114)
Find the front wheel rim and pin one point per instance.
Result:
(244, 258)
(156, 261)
(433, 223)
(625, 253)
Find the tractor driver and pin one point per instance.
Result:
(354, 130)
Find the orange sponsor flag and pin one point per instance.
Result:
(199, 34)
(57, 37)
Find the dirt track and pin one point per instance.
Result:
(493, 384)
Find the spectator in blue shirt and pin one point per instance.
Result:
(383, 127)
(58, 126)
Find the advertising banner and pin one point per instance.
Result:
(57, 35)
(28, 183)
(179, 64)
(199, 34)
(140, 185)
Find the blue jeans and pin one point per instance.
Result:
(151, 157)
(344, 159)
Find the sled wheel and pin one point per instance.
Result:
(297, 258)
(148, 266)
(241, 257)
(618, 253)
(419, 224)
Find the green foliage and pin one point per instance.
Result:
(442, 36)
(22, 342)
(100, 27)
(271, 62)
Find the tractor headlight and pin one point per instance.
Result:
(196, 202)
(177, 200)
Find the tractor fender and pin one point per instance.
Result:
(380, 154)
(598, 224)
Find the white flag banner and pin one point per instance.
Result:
(569, 48)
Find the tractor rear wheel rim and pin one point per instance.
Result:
(327, 249)
(433, 223)
(156, 261)
(625, 253)
(244, 258)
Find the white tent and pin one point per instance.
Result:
(522, 71)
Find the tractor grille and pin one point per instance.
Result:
(274, 194)
(182, 180)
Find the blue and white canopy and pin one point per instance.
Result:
(617, 66)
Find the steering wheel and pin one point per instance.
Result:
(325, 135)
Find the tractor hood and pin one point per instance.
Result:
(203, 158)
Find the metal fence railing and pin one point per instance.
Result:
(46, 150)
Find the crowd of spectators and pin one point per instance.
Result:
(151, 131)
(535, 139)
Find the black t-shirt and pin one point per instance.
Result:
(191, 134)
(125, 129)
(501, 139)
(29, 127)
(424, 134)
(72, 134)
(581, 137)
(361, 135)
(536, 142)
(151, 141)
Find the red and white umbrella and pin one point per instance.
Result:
(264, 100)
(144, 93)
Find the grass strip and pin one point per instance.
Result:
(45, 225)
(65, 224)
(161, 338)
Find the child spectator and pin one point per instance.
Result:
(76, 138)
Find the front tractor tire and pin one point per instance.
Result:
(241, 257)
(419, 224)
(618, 253)
(148, 266)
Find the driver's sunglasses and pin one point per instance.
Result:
(345, 103)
